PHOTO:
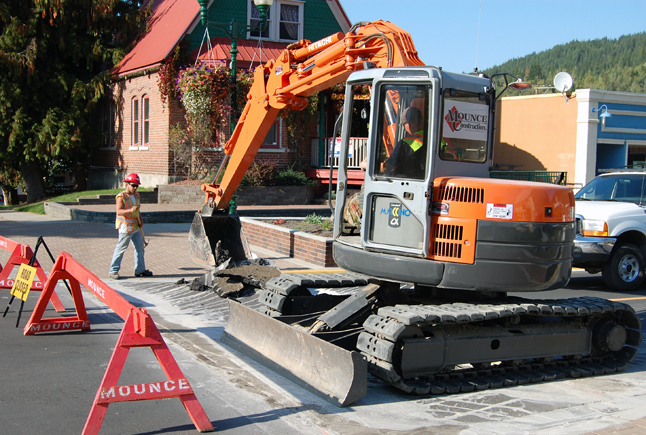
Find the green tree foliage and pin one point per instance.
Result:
(55, 62)
(298, 125)
(607, 64)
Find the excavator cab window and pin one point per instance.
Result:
(403, 132)
(465, 126)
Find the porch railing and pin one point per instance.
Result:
(358, 150)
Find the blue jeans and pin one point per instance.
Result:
(124, 240)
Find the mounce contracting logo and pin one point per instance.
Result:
(454, 118)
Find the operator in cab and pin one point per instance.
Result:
(408, 158)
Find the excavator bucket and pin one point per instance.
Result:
(211, 235)
(337, 375)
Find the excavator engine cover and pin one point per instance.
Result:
(211, 235)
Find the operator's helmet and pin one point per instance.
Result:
(132, 178)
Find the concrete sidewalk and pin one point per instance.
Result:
(92, 244)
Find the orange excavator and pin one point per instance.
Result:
(436, 246)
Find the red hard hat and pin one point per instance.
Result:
(132, 178)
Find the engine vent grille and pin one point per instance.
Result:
(446, 249)
(442, 247)
(461, 194)
(449, 232)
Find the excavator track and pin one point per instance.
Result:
(386, 334)
(448, 348)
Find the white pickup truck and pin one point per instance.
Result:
(611, 228)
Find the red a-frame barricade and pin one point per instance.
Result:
(21, 254)
(138, 331)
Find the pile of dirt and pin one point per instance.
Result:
(236, 279)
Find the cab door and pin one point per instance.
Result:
(399, 169)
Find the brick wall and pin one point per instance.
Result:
(295, 244)
(150, 160)
(153, 161)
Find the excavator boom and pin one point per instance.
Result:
(302, 69)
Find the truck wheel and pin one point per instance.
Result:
(625, 269)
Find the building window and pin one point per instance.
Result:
(146, 120)
(287, 14)
(289, 22)
(135, 122)
(272, 140)
(254, 20)
(108, 111)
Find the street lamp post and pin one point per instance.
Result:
(234, 31)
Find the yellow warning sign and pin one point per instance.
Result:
(23, 281)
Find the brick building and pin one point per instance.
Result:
(135, 124)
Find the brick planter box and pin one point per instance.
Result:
(247, 195)
(296, 244)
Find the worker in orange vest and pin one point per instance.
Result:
(129, 224)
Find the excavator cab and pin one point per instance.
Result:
(416, 113)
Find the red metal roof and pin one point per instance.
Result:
(249, 50)
(169, 21)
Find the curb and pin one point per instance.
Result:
(68, 212)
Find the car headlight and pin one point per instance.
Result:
(594, 228)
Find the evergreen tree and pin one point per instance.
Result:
(55, 62)
(607, 64)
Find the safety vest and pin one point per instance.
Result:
(415, 140)
(131, 219)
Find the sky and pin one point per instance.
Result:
(446, 33)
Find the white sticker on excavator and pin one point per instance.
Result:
(500, 211)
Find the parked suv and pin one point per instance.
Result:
(611, 228)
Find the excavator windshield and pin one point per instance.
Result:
(403, 131)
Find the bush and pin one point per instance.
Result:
(266, 174)
(290, 177)
(260, 174)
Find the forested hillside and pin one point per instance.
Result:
(609, 64)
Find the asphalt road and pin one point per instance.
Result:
(49, 381)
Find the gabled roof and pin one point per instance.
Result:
(169, 21)
(340, 15)
(172, 19)
(248, 51)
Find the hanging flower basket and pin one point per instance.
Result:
(195, 91)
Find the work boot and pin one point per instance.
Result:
(114, 275)
(144, 274)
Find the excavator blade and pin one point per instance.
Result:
(207, 231)
(337, 375)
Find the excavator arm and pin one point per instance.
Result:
(303, 69)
